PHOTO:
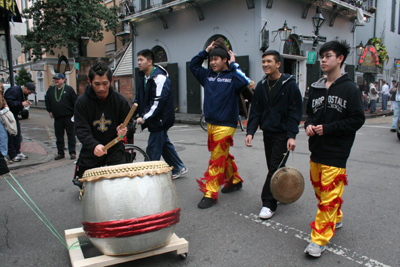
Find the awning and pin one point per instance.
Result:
(10, 7)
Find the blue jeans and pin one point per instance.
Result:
(159, 145)
(396, 113)
(373, 106)
(384, 101)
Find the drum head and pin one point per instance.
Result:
(287, 185)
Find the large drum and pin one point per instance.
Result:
(129, 208)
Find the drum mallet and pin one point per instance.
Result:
(126, 121)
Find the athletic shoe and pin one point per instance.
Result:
(59, 157)
(73, 156)
(338, 225)
(231, 188)
(206, 203)
(16, 159)
(183, 171)
(392, 130)
(266, 213)
(22, 156)
(314, 250)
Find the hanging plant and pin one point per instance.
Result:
(381, 50)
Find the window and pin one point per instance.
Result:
(39, 81)
(392, 26)
(398, 28)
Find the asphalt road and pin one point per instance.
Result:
(228, 234)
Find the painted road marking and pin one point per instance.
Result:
(338, 250)
(51, 136)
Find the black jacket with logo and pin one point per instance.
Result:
(340, 111)
(96, 122)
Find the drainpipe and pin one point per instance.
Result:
(133, 58)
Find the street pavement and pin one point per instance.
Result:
(228, 234)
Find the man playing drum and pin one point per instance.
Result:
(335, 112)
(277, 109)
(222, 87)
(99, 114)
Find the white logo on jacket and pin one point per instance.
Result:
(334, 102)
(220, 80)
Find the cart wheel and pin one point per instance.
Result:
(183, 256)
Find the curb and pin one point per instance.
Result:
(49, 156)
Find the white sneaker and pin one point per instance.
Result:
(266, 213)
(22, 156)
(16, 159)
(183, 171)
(314, 250)
(338, 225)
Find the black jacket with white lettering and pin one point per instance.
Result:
(340, 111)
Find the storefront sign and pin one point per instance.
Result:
(37, 67)
(76, 65)
(397, 64)
(311, 57)
(369, 60)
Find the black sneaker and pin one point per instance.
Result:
(232, 188)
(73, 156)
(59, 157)
(206, 203)
(392, 130)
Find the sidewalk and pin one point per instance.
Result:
(39, 153)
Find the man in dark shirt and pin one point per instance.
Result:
(60, 102)
(99, 114)
(277, 109)
(16, 98)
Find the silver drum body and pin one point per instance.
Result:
(141, 189)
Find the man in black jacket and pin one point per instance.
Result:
(156, 111)
(60, 102)
(99, 114)
(277, 109)
(16, 98)
(335, 112)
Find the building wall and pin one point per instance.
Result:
(186, 35)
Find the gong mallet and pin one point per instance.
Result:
(126, 121)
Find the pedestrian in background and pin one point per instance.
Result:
(276, 109)
(156, 111)
(60, 102)
(335, 112)
(3, 136)
(373, 96)
(364, 93)
(16, 98)
(396, 109)
(222, 84)
(385, 95)
(393, 92)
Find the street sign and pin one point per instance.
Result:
(76, 65)
(311, 57)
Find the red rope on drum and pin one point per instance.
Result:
(131, 227)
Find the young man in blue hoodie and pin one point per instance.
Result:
(222, 87)
(335, 112)
(277, 109)
(156, 111)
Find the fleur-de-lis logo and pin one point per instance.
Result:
(102, 123)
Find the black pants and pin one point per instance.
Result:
(64, 124)
(14, 142)
(275, 146)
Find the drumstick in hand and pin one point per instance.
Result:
(126, 121)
